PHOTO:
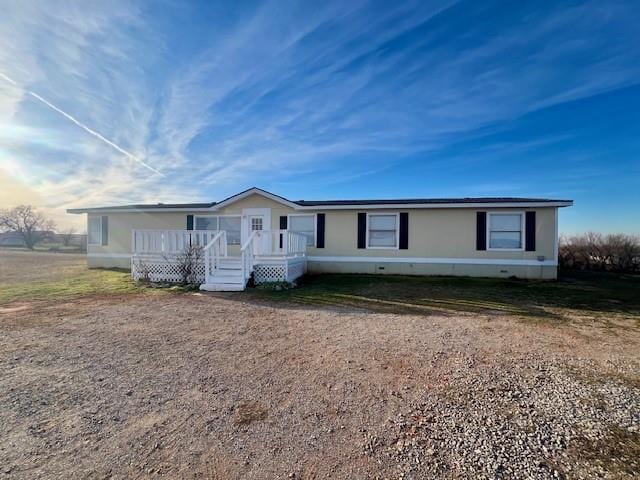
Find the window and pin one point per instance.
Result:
(95, 231)
(382, 231)
(206, 223)
(305, 225)
(230, 224)
(256, 223)
(505, 231)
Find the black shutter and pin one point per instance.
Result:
(105, 230)
(362, 230)
(320, 230)
(481, 230)
(189, 222)
(530, 231)
(404, 230)
(283, 226)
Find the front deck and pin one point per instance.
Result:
(206, 257)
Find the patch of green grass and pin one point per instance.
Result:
(582, 294)
(79, 283)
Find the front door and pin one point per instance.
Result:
(255, 219)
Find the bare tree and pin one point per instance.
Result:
(27, 221)
(67, 236)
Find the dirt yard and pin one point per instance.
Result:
(134, 384)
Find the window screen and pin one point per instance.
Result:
(95, 231)
(505, 230)
(206, 223)
(383, 230)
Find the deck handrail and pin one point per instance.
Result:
(213, 252)
(247, 257)
(248, 241)
(214, 239)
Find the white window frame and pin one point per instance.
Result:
(315, 224)
(397, 215)
(99, 218)
(522, 232)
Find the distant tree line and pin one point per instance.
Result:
(32, 227)
(616, 252)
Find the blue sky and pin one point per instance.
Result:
(110, 103)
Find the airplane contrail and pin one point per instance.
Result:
(85, 128)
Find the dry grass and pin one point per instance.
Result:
(19, 266)
(607, 299)
(38, 276)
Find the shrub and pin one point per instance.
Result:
(594, 251)
(142, 273)
(188, 263)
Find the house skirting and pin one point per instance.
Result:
(471, 267)
(439, 266)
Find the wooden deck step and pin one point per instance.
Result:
(222, 287)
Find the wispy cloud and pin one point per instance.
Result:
(376, 84)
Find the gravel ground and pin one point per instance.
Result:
(214, 386)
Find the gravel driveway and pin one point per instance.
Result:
(215, 386)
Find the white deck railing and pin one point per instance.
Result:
(248, 256)
(169, 241)
(214, 251)
(279, 243)
(264, 243)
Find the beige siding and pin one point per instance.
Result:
(121, 225)
(448, 233)
(258, 201)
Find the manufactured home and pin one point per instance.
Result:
(257, 234)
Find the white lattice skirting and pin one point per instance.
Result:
(269, 273)
(284, 270)
(156, 268)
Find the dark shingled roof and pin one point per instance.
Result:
(327, 203)
(143, 206)
(411, 201)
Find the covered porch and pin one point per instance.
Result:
(208, 258)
